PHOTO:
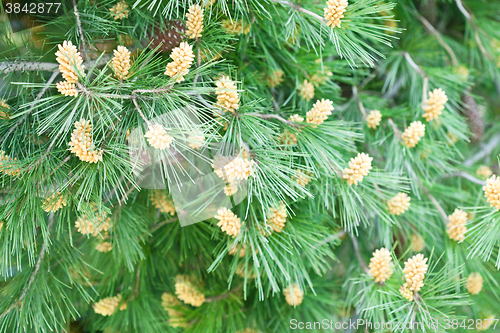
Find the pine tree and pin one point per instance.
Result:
(246, 166)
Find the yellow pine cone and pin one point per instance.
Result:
(107, 306)
(53, 203)
(275, 78)
(187, 293)
(288, 138)
(415, 269)
(70, 61)
(373, 119)
(238, 249)
(484, 171)
(474, 283)
(7, 167)
(434, 106)
(182, 57)
(239, 168)
(334, 11)
(418, 243)
(302, 177)
(162, 202)
(456, 225)
(104, 247)
(412, 135)
(296, 118)
(381, 265)
(228, 98)
(82, 144)
(228, 222)
(121, 62)
(359, 167)
(158, 137)
(319, 112)
(197, 140)
(93, 224)
(406, 292)
(399, 204)
(66, 88)
(194, 22)
(171, 304)
(294, 296)
(230, 189)
(491, 191)
(236, 27)
(277, 217)
(120, 10)
(306, 90)
(4, 106)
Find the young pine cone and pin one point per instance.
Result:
(434, 106)
(359, 167)
(398, 204)
(381, 265)
(492, 191)
(474, 283)
(228, 222)
(412, 135)
(456, 225)
(194, 22)
(415, 269)
(319, 112)
(334, 11)
(121, 62)
(187, 293)
(293, 295)
(70, 61)
(182, 57)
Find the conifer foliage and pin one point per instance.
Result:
(232, 166)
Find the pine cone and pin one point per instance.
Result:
(475, 120)
(169, 37)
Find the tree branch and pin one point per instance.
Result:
(437, 205)
(32, 106)
(484, 152)
(465, 175)
(80, 30)
(277, 117)
(469, 18)
(34, 273)
(299, 9)
(355, 245)
(438, 36)
(224, 295)
(358, 101)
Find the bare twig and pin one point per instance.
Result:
(355, 245)
(134, 99)
(32, 106)
(329, 239)
(465, 175)
(358, 101)
(484, 152)
(395, 128)
(299, 9)
(161, 224)
(440, 39)
(7, 67)
(80, 30)
(275, 116)
(437, 205)
(224, 295)
(470, 19)
(422, 73)
(35, 271)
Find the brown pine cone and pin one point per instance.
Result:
(169, 37)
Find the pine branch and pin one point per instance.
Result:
(437, 205)
(32, 106)
(35, 272)
(355, 245)
(439, 38)
(299, 9)
(469, 18)
(79, 23)
(422, 73)
(465, 175)
(484, 152)
(277, 117)
(361, 107)
(224, 295)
